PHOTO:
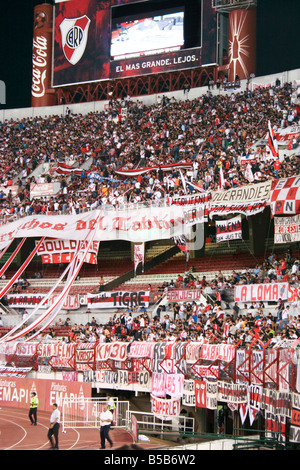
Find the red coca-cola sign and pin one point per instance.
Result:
(41, 92)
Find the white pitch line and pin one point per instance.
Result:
(23, 429)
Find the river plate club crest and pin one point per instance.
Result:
(74, 34)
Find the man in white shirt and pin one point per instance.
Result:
(106, 418)
(54, 426)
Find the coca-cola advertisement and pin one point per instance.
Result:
(41, 93)
(102, 39)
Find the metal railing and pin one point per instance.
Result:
(85, 412)
(230, 4)
(149, 423)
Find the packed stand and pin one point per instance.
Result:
(208, 131)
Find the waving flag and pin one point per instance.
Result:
(221, 178)
(272, 141)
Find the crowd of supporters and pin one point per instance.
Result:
(276, 267)
(208, 131)
(207, 323)
(189, 321)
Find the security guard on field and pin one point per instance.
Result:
(34, 404)
(111, 404)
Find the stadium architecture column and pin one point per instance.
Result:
(41, 92)
(241, 17)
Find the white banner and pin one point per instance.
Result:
(221, 352)
(120, 379)
(248, 200)
(184, 295)
(287, 229)
(60, 355)
(188, 396)
(261, 292)
(165, 408)
(116, 351)
(71, 302)
(135, 225)
(25, 349)
(118, 299)
(192, 352)
(61, 251)
(43, 189)
(167, 384)
(232, 393)
(229, 229)
(141, 349)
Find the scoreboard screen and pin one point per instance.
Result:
(106, 39)
(145, 35)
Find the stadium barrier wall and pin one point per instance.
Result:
(15, 391)
(148, 100)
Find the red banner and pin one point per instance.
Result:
(16, 392)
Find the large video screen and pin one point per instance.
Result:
(153, 34)
(98, 40)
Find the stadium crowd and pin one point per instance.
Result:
(189, 321)
(209, 131)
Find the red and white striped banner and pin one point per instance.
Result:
(118, 299)
(141, 171)
(285, 196)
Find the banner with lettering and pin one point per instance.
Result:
(285, 196)
(261, 292)
(16, 392)
(165, 408)
(232, 393)
(85, 356)
(295, 419)
(230, 229)
(54, 251)
(71, 301)
(141, 349)
(188, 395)
(287, 229)
(167, 385)
(118, 379)
(132, 224)
(275, 427)
(116, 351)
(206, 394)
(6, 371)
(221, 352)
(118, 299)
(184, 295)
(58, 355)
(248, 200)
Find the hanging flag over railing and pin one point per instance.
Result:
(53, 311)
(20, 270)
(183, 244)
(39, 306)
(12, 256)
(139, 256)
